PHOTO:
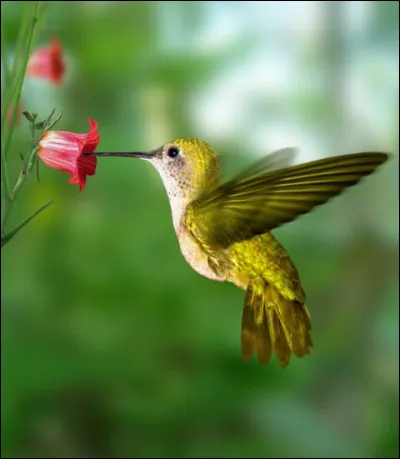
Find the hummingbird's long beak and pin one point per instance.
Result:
(125, 154)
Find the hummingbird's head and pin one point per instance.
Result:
(187, 166)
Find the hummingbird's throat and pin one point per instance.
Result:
(178, 189)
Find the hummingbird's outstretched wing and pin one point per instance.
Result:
(257, 202)
(279, 159)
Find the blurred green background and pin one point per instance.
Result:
(111, 345)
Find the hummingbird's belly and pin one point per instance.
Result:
(264, 256)
(195, 256)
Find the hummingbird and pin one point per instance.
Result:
(224, 230)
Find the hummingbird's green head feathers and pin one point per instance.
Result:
(187, 166)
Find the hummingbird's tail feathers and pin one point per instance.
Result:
(255, 332)
(295, 320)
(272, 322)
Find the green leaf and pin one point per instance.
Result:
(13, 232)
(29, 116)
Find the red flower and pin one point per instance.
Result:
(47, 63)
(65, 151)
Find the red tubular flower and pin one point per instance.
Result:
(65, 151)
(47, 63)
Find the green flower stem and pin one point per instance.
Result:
(6, 194)
(21, 42)
(4, 63)
(12, 194)
(26, 37)
(21, 77)
(6, 97)
(27, 169)
(4, 178)
(7, 237)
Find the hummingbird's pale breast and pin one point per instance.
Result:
(195, 256)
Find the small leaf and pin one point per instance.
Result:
(49, 118)
(55, 121)
(39, 126)
(37, 169)
(29, 116)
(7, 237)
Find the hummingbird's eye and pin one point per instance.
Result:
(173, 152)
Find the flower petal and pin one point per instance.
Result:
(93, 138)
(60, 150)
(86, 165)
(79, 180)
